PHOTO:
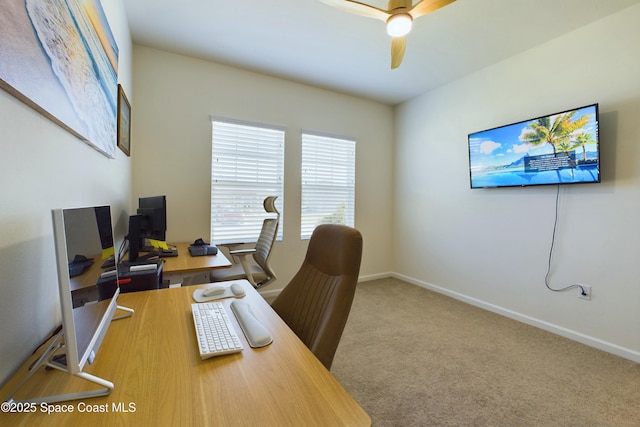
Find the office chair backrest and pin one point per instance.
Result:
(317, 301)
(264, 245)
(266, 239)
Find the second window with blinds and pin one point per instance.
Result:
(328, 181)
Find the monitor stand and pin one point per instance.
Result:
(51, 359)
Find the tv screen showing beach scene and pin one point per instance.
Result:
(560, 148)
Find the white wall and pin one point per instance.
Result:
(176, 95)
(490, 247)
(44, 167)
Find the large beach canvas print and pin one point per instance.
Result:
(60, 58)
(561, 148)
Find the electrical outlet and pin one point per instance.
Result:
(585, 291)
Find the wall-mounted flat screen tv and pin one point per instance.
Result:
(560, 148)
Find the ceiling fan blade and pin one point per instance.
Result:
(428, 6)
(398, 46)
(358, 8)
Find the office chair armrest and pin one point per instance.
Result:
(242, 252)
(241, 255)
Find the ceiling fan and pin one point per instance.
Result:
(399, 17)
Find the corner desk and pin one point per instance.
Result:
(177, 268)
(152, 358)
(185, 263)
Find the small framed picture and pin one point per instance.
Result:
(124, 122)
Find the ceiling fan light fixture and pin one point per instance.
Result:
(399, 25)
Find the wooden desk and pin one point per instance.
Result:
(152, 358)
(177, 269)
(185, 263)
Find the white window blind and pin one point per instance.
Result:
(328, 182)
(247, 165)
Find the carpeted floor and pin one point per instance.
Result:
(412, 357)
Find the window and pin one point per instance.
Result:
(328, 182)
(247, 165)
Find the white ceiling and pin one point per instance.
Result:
(313, 43)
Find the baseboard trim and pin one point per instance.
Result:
(272, 294)
(374, 277)
(550, 327)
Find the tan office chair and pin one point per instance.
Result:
(317, 301)
(259, 273)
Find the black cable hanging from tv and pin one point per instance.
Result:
(553, 241)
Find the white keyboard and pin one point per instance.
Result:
(215, 333)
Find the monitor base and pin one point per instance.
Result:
(52, 359)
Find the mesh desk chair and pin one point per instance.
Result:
(317, 301)
(259, 273)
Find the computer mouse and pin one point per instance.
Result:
(213, 291)
(237, 290)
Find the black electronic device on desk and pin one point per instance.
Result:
(152, 253)
(202, 248)
(133, 277)
(167, 252)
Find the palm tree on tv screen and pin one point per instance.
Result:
(555, 130)
(583, 139)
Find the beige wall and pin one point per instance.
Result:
(490, 247)
(43, 167)
(175, 98)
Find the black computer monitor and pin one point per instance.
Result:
(149, 223)
(154, 209)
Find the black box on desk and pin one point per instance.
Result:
(138, 279)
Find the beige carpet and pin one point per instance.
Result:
(412, 357)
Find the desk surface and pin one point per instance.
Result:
(153, 360)
(185, 263)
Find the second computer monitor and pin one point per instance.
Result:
(154, 209)
(149, 223)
